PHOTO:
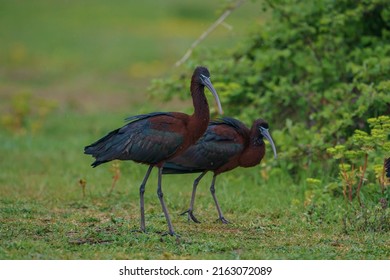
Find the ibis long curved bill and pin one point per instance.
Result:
(206, 82)
(266, 134)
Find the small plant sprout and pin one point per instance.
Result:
(83, 185)
(116, 171)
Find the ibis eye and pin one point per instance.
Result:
(264, 126)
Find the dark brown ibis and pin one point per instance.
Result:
(157, 137)
(226, 144)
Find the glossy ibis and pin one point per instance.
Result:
(226, 144)
(387, 167)
(157, 137)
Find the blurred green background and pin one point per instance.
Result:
(94, 55)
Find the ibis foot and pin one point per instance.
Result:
(190, 216)
(171, 234)
(223, 220)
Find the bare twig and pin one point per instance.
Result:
(220, 20)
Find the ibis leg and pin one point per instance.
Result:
(212, 190)
(141, 197)
(164, 207)
(189, 212)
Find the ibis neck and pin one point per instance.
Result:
(201, 114)
(256, 139)
(201, 107)
(254, 152)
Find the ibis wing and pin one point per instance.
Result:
(146, 139)
(232, 123)
(214, 149)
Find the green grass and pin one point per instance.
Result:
(44, 215)
(95, 62)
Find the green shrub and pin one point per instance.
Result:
(361, 164)
(316, 71)
(361, 181)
